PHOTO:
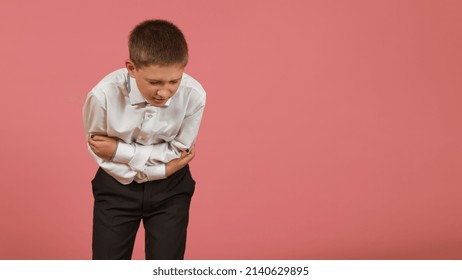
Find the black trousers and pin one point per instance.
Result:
(162, 205)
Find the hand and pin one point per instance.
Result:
(103, 146)
(176, 164)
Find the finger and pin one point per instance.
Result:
(99, 138)
(93, 148)
(188, 158)
(192, 151)
(95, 144)
(94, 138)
(189, 150)
(90, 142)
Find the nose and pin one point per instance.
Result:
(164, 93)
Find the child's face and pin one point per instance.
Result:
(157, 83)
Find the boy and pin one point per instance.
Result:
(141, 122)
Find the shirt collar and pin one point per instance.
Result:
(135, 94)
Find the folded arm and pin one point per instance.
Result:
(105, 147)
(135, 161)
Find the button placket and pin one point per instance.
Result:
(148, 124)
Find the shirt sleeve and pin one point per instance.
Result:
(165, 152)
(94, 120)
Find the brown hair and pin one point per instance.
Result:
(157, 42)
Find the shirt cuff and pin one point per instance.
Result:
(124, 152)
(140, 157)
(155, 172)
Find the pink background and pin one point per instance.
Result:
(332, 128)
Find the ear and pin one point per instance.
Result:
(130, 67)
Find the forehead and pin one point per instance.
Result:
(162, 72)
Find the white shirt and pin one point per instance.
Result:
(149, 136)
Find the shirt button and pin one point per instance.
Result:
(149, 116)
